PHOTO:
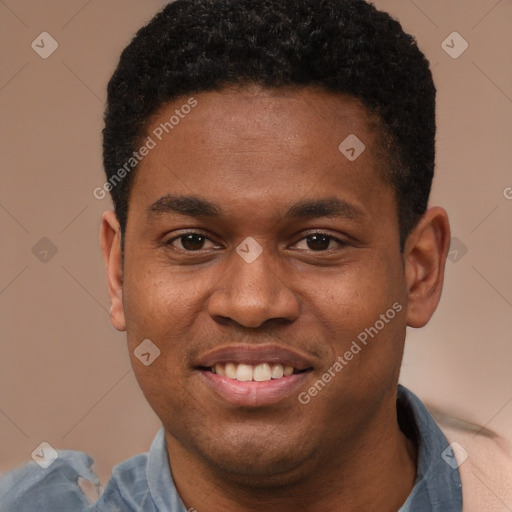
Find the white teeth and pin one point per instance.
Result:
(230, 370)
(277, 371)
(262, 372)
(248, 372)
(244, 372)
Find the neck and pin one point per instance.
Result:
(374, 471)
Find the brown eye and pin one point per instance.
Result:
(192, 242)
(189, 242)
(318, 242)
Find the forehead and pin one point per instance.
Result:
(251, 144)
(252, 113)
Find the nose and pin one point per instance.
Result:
(250, 294)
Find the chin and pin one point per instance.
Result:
(252, 462)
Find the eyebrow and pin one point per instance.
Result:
(194, 206)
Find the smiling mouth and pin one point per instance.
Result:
(257, 373)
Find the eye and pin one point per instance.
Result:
(321, 242)
(190, 242)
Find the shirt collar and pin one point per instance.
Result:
(437, 489)
(160, 481)
(438, 486)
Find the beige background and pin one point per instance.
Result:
(65, 375)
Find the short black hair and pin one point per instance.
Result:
(343, 46)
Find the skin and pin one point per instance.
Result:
(255, 152)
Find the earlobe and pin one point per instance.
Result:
(425, 257)
(110, 239)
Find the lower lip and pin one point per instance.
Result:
(251, 393)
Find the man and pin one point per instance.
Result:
(270, 165)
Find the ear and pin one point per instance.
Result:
(425, 255)
(110, 238)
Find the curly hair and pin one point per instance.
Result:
(343, 46)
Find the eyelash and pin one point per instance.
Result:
(341, 243)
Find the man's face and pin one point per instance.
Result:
(323, 276)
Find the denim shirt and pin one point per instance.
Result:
(144, 482)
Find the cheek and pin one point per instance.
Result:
(362, 290)
(157, 304)
(163, 307)
(159, 310)
(349, 306)
(163, 387)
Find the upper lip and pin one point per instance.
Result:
(254, 354)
